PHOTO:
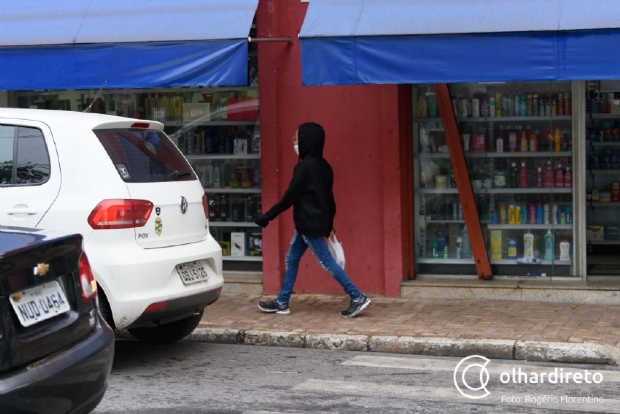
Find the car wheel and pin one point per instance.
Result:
(104, 307)
(169, 332)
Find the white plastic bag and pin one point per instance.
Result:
(335, 247)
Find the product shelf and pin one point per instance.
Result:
(605, 172)
(603, 116)
(445, 261)
(438, 191)
(232, 224)
(604, 144)
(516, 118)
(529, 226)
(604, 242)
(232, 190)
(528, 190)
(604, 203)
(536, 154)
(542, 262)
(197, 157)
(243, 258)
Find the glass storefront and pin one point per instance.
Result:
(518, 140)
(218, 131)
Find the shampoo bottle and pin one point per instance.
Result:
(568, 178)
(216, 175)
(548, 176)
(539, 178)
(549, 245)
(564, 250)
(523, 176)
(559, 177)
(528, 245)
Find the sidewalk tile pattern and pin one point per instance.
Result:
(465, 319)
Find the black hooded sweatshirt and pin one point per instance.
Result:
(310, 190)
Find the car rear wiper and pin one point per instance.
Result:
(178, 173)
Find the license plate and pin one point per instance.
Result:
(192, 272)
(39, 303)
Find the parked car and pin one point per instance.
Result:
(55, 349)
(125, 187)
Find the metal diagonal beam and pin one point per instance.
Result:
(463, 183)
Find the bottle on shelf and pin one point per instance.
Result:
(459, 247)
(524, 142)
(564, 250)
(539, 178)
(568, 178)
(533, 143)
(164, 104)
(546, 214)
(466, 244)
(523, 213)
(548, 176)
(523, 176)
(512, 141)
(528, 245)
(557, 141)
(422, 106)
(532, 213)
(514, 181)
(216, 175)
(549, 245)
(539, 213)
(559, 177)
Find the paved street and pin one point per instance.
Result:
(190, 377)
(464, 319)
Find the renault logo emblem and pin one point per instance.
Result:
(183, 205)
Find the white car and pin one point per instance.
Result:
(125, 187)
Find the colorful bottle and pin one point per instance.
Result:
(523, 176)
(523, 213)
(512, 215)
(459, 247)
(548, 176)
(568, 178)
(546, 215)
(533, 142)
(559, 177)
(539, 214)
(499, 144)
(524, 143)
(512, 141)
(532, 213)
(512, 249)
(539, 178)
(557, 140)
(549, 245)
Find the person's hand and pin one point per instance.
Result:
(261, 221)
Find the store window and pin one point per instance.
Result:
(517, 139)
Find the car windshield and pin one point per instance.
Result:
(145, 156)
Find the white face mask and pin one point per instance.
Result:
(296, 148)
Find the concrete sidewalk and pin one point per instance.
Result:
(496, 329)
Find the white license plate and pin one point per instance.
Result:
(192, 272)
(39, 303)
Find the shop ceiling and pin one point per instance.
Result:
(74, 44)
(446, 41)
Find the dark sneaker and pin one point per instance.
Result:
(274, 307)
(356, 306)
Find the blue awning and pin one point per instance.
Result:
(348, 42)
(77, 44)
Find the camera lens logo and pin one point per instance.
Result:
(472, 371)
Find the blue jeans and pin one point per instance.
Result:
(319, 249)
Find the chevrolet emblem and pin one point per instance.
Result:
(41, 269)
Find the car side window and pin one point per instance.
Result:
(7, 151)
(24, 158)
(33, 162)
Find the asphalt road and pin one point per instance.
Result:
(207, 378)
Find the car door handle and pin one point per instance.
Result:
(22, 211)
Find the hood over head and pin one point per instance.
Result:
(311, 139)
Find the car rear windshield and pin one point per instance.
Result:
(145, 156)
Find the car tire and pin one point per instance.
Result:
(169, 332)
(104, 307)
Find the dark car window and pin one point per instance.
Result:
(145, 156)
(32, 165)
(7, 138)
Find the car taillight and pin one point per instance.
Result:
(89, 285)
(205, 205)
(120, 214)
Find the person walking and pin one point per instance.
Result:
(310, 194)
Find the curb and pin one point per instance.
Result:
(583, 353)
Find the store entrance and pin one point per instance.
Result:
(603, 179)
